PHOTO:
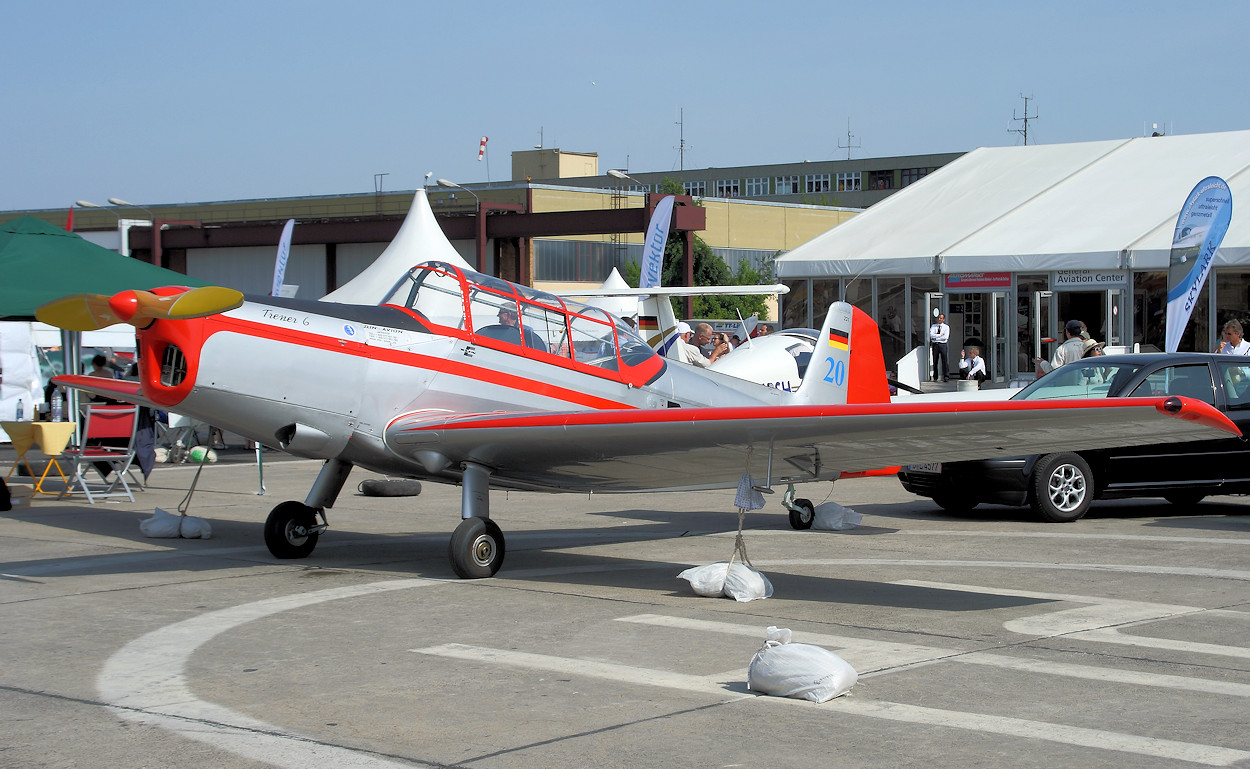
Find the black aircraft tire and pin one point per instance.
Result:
(286, 530)
(804, 516)
(401, 487)
(477, 548)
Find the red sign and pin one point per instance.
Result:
(967, 281)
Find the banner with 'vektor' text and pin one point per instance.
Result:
(653, 247)
(284, 253)
(1199, 230)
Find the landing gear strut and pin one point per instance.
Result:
(477, 545)
(291, 530)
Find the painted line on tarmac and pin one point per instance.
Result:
(1183, 571)
(893, 711)
(145, 682)
(1230, 540)
(878, 658)
(1101, 621)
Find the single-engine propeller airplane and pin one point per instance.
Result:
(459, 377)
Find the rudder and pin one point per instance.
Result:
(847, 365)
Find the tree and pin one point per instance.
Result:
(709, 270)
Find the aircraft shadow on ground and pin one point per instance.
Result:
(540, 559)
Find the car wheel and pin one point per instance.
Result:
(954, 503)
(1062, 487)
(1185, 498)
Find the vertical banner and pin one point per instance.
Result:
(653, 247)
(284, 252)
(1199, 230)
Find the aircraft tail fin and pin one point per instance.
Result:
(847, 365)
(657, 323)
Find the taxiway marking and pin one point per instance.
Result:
(145, 682)
(914, 714)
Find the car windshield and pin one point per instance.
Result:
(1080, 380)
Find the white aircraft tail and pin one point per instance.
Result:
(847, 365)
(657, 323)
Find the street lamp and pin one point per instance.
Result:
(615, 174)
(89, 204)
(449, 183)
(120, 202)
(479, 235)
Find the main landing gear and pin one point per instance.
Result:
(477, 545)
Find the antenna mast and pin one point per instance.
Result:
(848, 146)
(1024, 131)
(681, 147)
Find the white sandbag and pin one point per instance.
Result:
(830, 516)
(739, 582)
(707, 581)
(161, 525)
(746, 584)
(166, 525)
(195, 528)
(800, 671)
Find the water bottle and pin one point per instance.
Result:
(57, 413)
(20, 409)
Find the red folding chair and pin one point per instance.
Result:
(115, 424)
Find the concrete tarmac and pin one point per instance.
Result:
(987, 640)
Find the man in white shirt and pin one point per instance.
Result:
(1073, 348)
(939, 335)
(1232, 341)
(972, 366)
(684, 351)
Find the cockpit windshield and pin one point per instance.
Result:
(504, 315)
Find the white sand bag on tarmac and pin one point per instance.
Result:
(707, 581)
(830, 516)
(801, 671)
(739, 582)
(166, 525)
(746, 584)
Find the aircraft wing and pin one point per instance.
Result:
(117, 389)
(634, 450)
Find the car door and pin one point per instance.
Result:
(1233, 381)
(1199, 463)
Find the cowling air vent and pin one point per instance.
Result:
(173, 367)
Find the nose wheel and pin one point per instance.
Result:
(477, 548)
(291, 530)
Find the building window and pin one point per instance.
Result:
(788, 185)
(695, 189)
(849, 182)
(757, 186)
(913, 175)
(818, 182)
(728, 188)
(880, 180)
(638, 188)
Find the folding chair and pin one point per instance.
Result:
(113, 423)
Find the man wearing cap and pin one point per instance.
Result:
(1073, 348)
(684, 350)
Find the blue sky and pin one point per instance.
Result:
(159, 102)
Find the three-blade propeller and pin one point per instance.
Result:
(88, 312)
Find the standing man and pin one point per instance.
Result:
(939, 335)
(1232, 342)
(1073, 348)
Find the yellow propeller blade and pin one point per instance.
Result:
(80, 312)
(87, 312)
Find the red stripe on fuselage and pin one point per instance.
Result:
(252, 328)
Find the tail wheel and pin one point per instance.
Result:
(1062, 487)
(477, 548)
(802, 514)
(291, 530)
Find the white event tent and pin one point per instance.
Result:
(1106, 205)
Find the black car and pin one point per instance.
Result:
(1060, 487)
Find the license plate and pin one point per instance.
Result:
(931, 467)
